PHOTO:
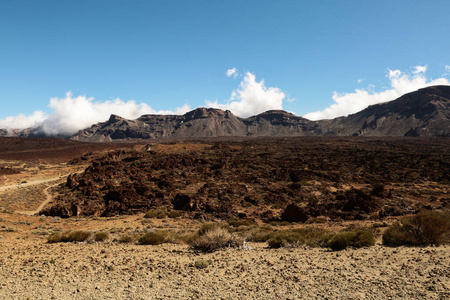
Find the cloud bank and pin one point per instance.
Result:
(400, 84)
(71, 114)
(251, 98)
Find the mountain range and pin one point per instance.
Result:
(425, 112)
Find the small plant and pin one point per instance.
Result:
(153, 238)
(201, 264)
(311, 236)
(240, 222)
(213, 238)
(209, 226)
(101, 236)
(78, 236)
(175, 214)
(126, 239)
(56, 237)
(159, 213)
(426, 228)
(315, 221)
(356, 239)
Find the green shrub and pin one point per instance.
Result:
(426, 228)
(356, 239)
(101, 236)
(153, 238)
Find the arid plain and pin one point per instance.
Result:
(322, 176)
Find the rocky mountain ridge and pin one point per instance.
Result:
(425, 112)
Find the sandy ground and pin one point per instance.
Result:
(30, 268)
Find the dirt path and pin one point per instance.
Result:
(30, 183)
(48, 196)
(48, 199)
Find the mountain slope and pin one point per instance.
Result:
(425, 112)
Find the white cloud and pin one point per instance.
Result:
(361, 80)
(71, 114)
(400, 84)
(251, 98)
(232, 72)
(447, 68)
(420, 69)
(22, 121)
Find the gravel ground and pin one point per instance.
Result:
(33, 269)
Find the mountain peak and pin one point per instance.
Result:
(114, 119)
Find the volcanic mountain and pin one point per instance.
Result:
(425, 112)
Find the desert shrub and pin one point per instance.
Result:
(159, 213)
(315, 220)
(285, 238)
(209, 226)
(356, 239)
(69, 236)
(101, 236)
(425, 228)
(175, 214)
(153, 238)
(311, 236)
(214, 238)
(56, 237)
(78, 236)
(240, 222)
(126, 239)
(201, 264)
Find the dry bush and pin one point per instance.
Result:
(127, 239)
(101, 236)
(209, 226)
(153, 238)
(213, 239)
(201, 264)
(56, 237)
(69, 236)
(239, 222)
(159, 213)
(175, 214)
(78, 236)
(426, 228)
(311, 236)
(356, 239)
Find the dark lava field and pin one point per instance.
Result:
(263, 179)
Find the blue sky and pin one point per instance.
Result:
(174, 55)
